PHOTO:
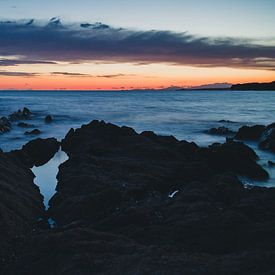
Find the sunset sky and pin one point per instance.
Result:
(106, 44)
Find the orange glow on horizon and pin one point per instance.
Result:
(140, 77)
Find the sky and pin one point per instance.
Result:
(88, 45)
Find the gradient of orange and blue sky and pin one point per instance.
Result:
(87, 44)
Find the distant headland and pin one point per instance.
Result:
(254, 87)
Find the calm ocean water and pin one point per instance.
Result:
(184, 114)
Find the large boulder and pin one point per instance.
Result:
(41, 150)
(37, 152)
(250, 133)
(235, 157)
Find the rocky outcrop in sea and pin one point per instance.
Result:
(129, 203)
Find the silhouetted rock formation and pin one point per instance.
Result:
(37, 152)
(221, 131)
(130, 203)
(254, 87)
(24, 125)
(5, 125)
(264, 135)
(235, 157)
(21, 205)
(34, 132)
(48, 119)
(6, 122)
(20, 115)
(250, 133)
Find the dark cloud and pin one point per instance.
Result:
(114, 75)
(90, 75)
(4, 73)
(70, 74)
(98, 42)
(15, 62)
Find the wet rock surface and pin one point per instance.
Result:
(263, 135)
(5, 125)
(24, 125)
(250, 133)
(33, 132)
(235, 157)
(19, 117)
(6, 122)
(48, 119)
(115, 213)
(21, 206)
(221, 131)
(24, 114)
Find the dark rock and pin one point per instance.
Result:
(114, 214)
(24, 125)
(250, 133)
(152, 166)
(37, 152)
(254, 86)
(33, 132)
(267, 140)
(26, 111)
(5, 125)
(220, 131)
(24, 114)
(85, 251)
(48, 119)
(235, 157)
(41, 150)
(20, 207)
(271, 163)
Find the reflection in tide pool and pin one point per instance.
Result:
(45, 176)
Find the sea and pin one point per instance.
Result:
(187, 115)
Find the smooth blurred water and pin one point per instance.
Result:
(45, 176)
(184, 114)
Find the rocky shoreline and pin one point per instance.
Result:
(263, 135)
(129, 203)
(7, 122)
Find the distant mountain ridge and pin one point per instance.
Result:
(254, 86)
(213, 86)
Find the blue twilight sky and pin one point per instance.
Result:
(252, 18)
